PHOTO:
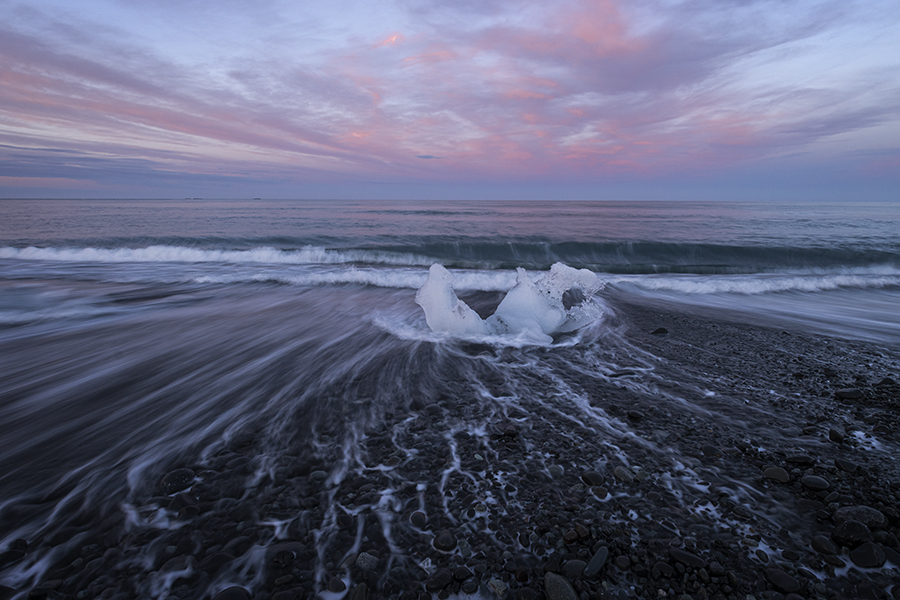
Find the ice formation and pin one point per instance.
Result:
(558, 302)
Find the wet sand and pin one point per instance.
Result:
(709, 460)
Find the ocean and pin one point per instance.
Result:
(275, 353)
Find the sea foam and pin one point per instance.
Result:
(560, 301)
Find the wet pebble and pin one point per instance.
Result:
(597, 562)
(366, 561)
(418, 519)
(234, 592)
(441, 579)
(177, 480)
(782, 581)
(814, 482)
(592, 478)
(868, 555)
(573, 569)
(444, 541)
(851, 534)
(686, 558)
(556, 587)
(777, 474)
(623, 474)
(849, 394)
(866, 515)
(336, 584)
(823, 545)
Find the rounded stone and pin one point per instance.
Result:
(866, 515)
(782, 581)
(868, 555)
(687, 558)
(444, 541)
(624, 475)
(177, 480)
(815, 483)
(336, 585)
(777, 474)
(592, 478)
(556, 587)
(823, 545)
(366, 561)
(441, 579)
(418, 519)
(851, 534)
(234, 592)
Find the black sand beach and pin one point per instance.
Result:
(679, 456)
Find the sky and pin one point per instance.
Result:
(470, 99)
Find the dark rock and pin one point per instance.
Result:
(836, 435)
(597, 562)
(823, 545)
(687, 558)
(777, 474)
(573, 569)
(635, 415)
(623, 562)
(239, 545)
(441, 579)
(868, 555)
(360, 592)
(716, 569)
(848, 394)
(814, 482)
(663, 569)
(557, 587)
(659, 331)
(782, 581)
(234, 592)
(177, 480)
(366, 561)
(418, 519)
(711, 451)
(336, 584)
(868, 516)
(592, 478)
(444, 541)
(851, 534)
(801, 460)
(623, 474)
(570, 537)
(461, 573)
(6, 593)
(845, 465)
(527, 594)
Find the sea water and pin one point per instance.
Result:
(139, 335)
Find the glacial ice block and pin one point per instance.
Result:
(444, 312)
(560, 301)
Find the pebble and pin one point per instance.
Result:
(360, 592)
(573, 569)
(177, 480)
(823, 545)
(556, 471)
(782, 581)
(837, 436)
(366, 561)
(623, 562)
(556, 587)
(592, 478)
(851, 534)
(418, 519)
(814, 482)
(444, 541)
(623, 474)
(776, 473)
(234, 592)
(498, 587)
(597, 562)
(866, 515)
(845, 465)
(659, 331)
(686, 558)
(441, 579)
(849, 394)
(318, 476)
(336, 585)
(868, 555)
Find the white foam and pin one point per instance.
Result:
(535, 309)
(763, 284)
(182, 254)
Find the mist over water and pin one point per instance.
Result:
(261, 343)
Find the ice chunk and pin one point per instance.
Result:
(444, 312)
(561, 301)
